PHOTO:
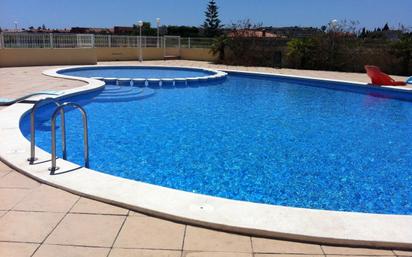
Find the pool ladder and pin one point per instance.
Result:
(59, 110)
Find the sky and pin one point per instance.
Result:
(277, 13)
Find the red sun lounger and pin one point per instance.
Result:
(380, 78)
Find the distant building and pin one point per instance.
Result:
(295, 32)
(38, 30)
(253, 33)
(81, 30)
(118, 30)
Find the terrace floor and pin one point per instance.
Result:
(42, 221)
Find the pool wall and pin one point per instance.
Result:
(326, 227)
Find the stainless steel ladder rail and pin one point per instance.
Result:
(60, 108)
(32, 157)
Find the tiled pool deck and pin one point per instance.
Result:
(39, 220)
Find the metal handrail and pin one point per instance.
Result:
(32, 157)
(60, 108)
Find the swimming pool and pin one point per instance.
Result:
(252, 138)
(136, 72)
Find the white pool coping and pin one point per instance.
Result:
(216, 74)
(310, 225)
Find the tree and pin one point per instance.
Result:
(183, 31)
(147, 30)
(363, 33)
(300, 51)
(211, 25)
(218, 47)
(402, 49)
(386, 27)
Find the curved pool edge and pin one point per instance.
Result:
(214, 75)
(309, 225)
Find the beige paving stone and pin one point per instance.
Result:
(85, 205)
(27, 226)
(70, 251)
(263, 245)
(4, 169)
(8, 249)
(331, 255)
(20, 81)
(403, 253)
(116, 252)
(355, 251)
(9, 197)
(216, 254)
(288, 255)
(201, 239)
(49, 199)
(152, 233)
(4, 172)
(17, 180)
(86, 229)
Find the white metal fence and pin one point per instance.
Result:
(64, 40)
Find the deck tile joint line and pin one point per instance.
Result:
(58, 223)
(117, 235)
(183, 241)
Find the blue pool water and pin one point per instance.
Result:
(257, 139)
(136, 72)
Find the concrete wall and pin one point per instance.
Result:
(46, 56)
(198, 54)
(126, 54)
(77, 56)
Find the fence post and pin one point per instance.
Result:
(51, 40)
(164, 46)
(92, 40)
(109, 40)
(1, 40)
(188, 42)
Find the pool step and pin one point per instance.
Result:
(129, 94)
(145, 93)
(120, 93)
(165, 82)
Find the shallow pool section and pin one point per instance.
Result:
(258, 139)
(136, 72)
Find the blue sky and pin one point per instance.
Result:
(106, 13)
